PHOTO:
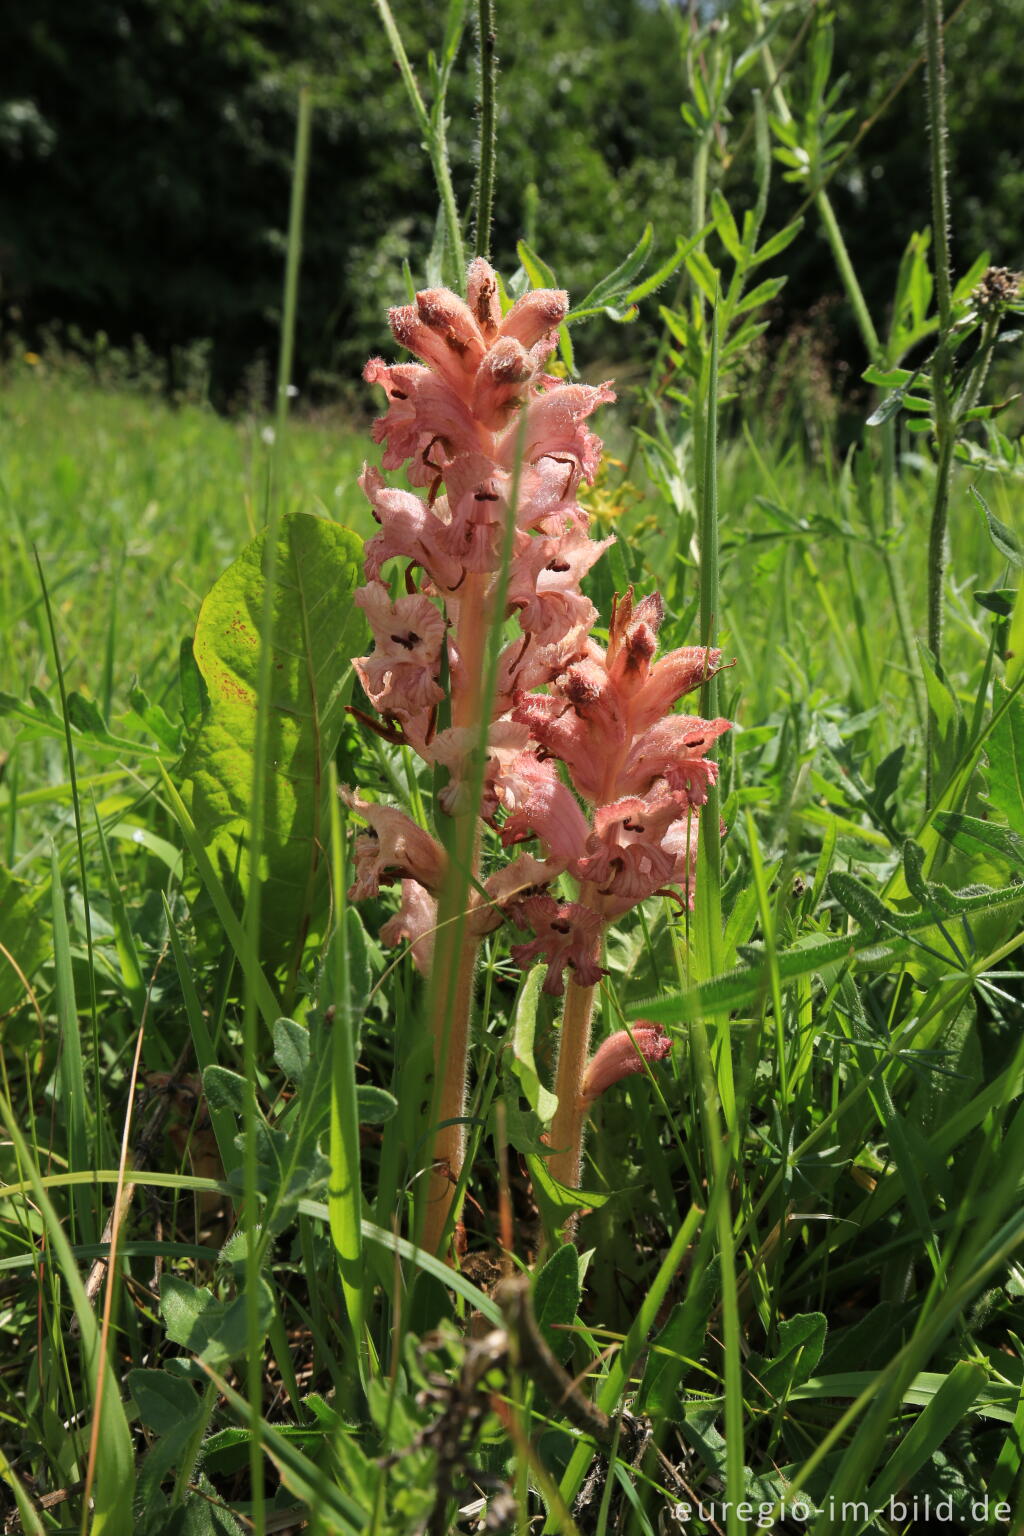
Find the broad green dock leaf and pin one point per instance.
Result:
(317, 630)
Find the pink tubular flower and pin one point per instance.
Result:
(399, 676)
(541, 805)
(674, 749)
(622, 1055)
(394, 847)
(426, 423)
(416, 921)
(567, 935)
(410, 530)
(545, 585)
(627, 857)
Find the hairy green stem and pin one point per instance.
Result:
(937, 144)
(485, 171)
(432, 127)
(945, 429)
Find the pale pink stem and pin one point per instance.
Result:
(566, 1133)
(455, 955)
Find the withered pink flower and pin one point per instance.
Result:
(568, 934)
(624, 1054)
(508, 888)
(416, 921)
(394, 848)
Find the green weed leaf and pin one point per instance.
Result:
(539, 1098)
(556, 1296)
(316, 632)
(1005, 750)
(25, 937)
(199, 1322)
(291, 1049)
(164, 1401)
(801, 1342)
(375, 1105)
(972, 835)
(1004, 538)
(225, 1089)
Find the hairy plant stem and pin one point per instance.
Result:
(485, 171)
(937, 144)
(450, 995)
(432, 126)
(566, 1134)
(945, 426)
(450, 1027)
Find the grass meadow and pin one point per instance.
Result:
(793, 1299)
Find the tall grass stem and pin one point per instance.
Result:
(261, 735)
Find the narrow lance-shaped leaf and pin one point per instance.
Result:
(869, 948)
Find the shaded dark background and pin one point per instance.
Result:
(145, 150)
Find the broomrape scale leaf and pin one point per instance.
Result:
(316, 631)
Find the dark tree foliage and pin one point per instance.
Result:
(145, 150)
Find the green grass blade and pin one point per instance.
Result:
(928, 1432)
(225, 1126)
(114, 1483)
(266, 1002)
(344, 1199)
(73, 1092)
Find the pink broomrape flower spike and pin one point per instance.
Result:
(608, 718)
(500, 448)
